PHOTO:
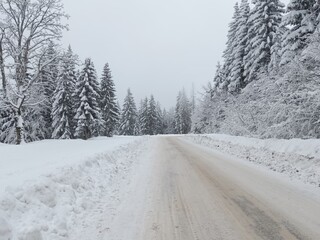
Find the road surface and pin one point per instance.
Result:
(193, 193)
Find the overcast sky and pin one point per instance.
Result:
(153, 46)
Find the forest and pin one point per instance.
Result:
(268, 84)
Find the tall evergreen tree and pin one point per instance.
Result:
(160, 121)
(128, 118)
(152, 116)
(109, 107)
(143, 117)
(228, 54)
(89, 120)
(236, 75)
(63, 110)
(264, 21)
(48, 78)
(182, 114)
(300, 22)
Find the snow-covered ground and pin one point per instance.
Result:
(49, 189)
(297, 158)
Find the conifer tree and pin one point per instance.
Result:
(48, 78)
(182, 114)
(160, 121)
(264, 21)
(88, 115)
(236, 75)
(152, 116)
(300, 22)
(228, 54)
(143, 117)
(109, 107)
(63, 110)
(128, 120)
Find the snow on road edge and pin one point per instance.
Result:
(66, 204)
(297, 158)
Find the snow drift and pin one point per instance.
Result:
(49, 188)
(297, 158)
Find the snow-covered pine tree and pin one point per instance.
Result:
(89, 120)
(236, 75)
(182, 114)
(275, 60)
(160, 120)
(228, 54)
(152, 116)
(218, 80)
(300, 23)
(48, 78)
(128, 118)
(109, 107)
(264, 21)
(63, 110)
(143, 117)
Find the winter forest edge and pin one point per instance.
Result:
(267, 87)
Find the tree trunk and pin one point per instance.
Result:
(19, 128)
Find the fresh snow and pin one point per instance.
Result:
(50, 189)
(297, 158)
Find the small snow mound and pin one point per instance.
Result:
(5, 230)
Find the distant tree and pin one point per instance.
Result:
(152, 117)
(183, 114)
(88, 115)
(128, 120)
(159, 120)
(109, 107)
(143, 117)
(169, 121)
(63, 109)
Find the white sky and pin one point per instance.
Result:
(153, 46)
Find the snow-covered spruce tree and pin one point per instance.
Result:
(63, 109)
(228, 54)
(48, 79)
(143, 117)
(300, 22)
(218, 79)
(183, 114)
(169, 121)
(109, 107)
(160, 120)
(128, 120)
(276, 49)
(25, 28)
(152, 116)
(264, 21)
(236, 74)
(89, 120)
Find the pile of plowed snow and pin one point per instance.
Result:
(297, 158)
(47, 188)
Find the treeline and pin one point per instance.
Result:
(46, 93)
(72, 102)
(269, 82)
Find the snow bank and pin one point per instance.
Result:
(296, 158)
(51, 187)
(19, 164)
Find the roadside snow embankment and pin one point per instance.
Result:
(49, 190)
(297, 158)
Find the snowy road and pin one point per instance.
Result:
(194, 193)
